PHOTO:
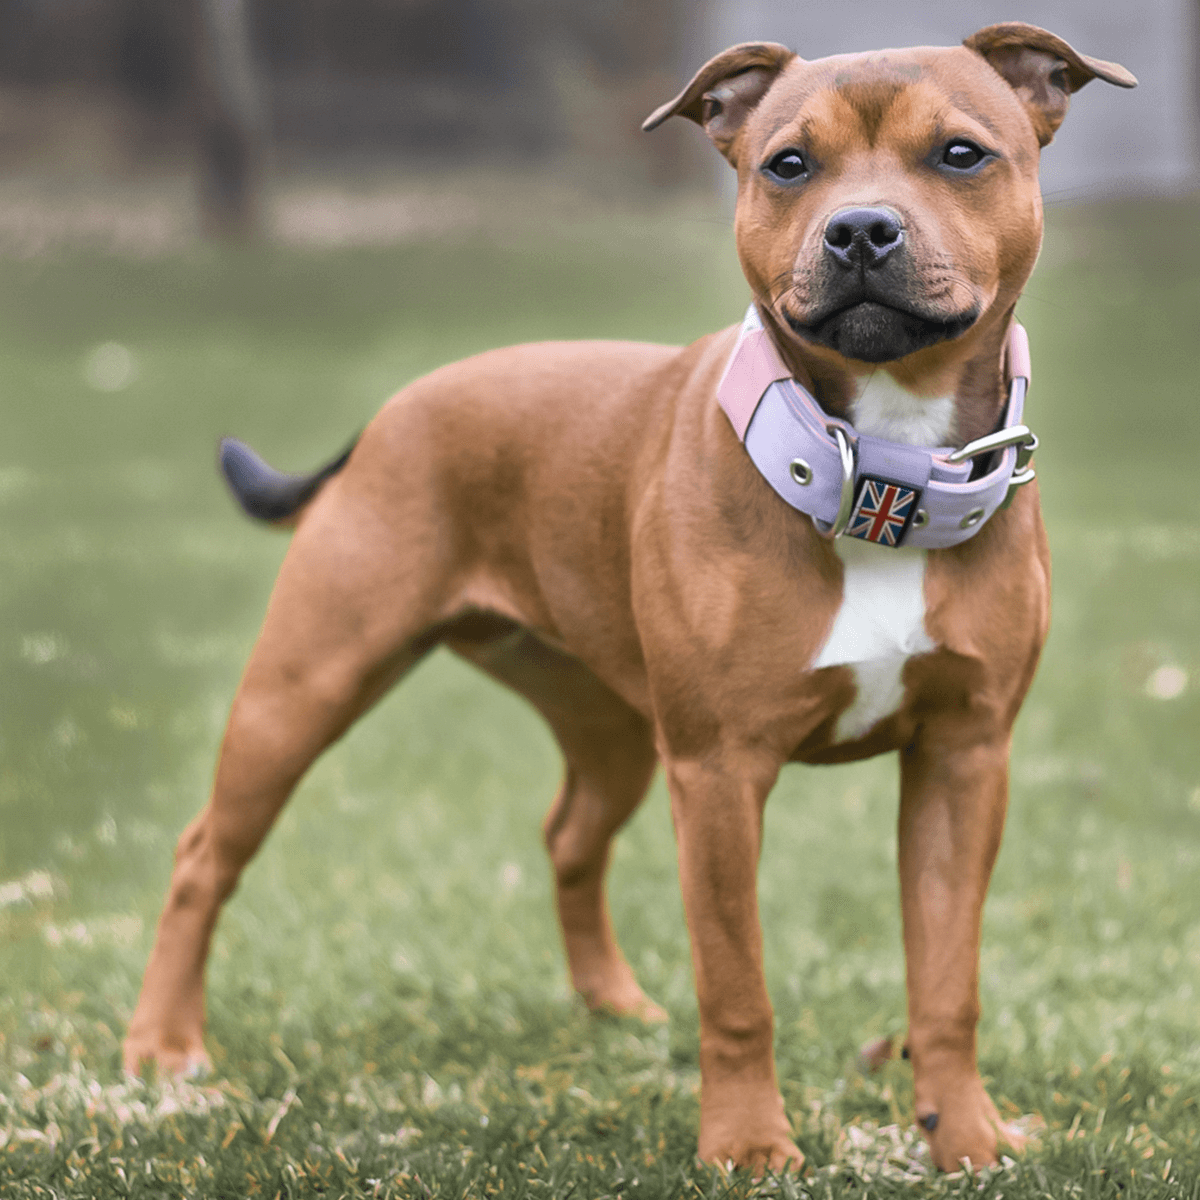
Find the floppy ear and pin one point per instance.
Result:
(725, 90)
(1043, 70)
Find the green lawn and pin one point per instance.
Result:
(389, 1010)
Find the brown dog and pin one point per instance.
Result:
(581, 521)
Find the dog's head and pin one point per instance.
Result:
(888, 201)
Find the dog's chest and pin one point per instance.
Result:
(880, 623)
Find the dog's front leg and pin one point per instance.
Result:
(953, 796)
(717, 806)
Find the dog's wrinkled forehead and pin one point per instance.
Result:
(1019, 75)
(888, 96)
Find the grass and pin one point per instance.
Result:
(388, 1007)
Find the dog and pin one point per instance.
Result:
(812, 538)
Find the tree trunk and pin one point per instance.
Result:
(231, 121)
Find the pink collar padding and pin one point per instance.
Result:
(901, 495)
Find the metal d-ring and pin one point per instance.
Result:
(846, 451)
(1019, 479)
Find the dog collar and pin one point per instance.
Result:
(862, 486)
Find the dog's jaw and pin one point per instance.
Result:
(874, 330)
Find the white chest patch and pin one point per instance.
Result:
(880, 624)
(885, 410)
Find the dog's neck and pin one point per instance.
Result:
(884, 409)
(945, 400)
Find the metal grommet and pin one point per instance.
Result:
(971, 519)
(801, 472)
(920, 517)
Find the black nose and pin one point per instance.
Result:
(863, 237)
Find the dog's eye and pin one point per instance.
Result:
(963, 155)
(787, 164)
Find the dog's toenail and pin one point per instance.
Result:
(928, 1122)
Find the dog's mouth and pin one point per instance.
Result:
(874, 332)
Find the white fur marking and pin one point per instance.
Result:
(884, 409)
(880, 624)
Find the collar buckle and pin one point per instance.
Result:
(1020, 436)
(1015, 435)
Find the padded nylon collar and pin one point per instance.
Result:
(782, 425)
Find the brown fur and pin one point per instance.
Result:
(581, 522)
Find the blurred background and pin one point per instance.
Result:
(145, 121)
(263, 217)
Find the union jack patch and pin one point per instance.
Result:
(883, 512)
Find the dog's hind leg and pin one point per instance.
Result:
(610, 758)
(351, 611)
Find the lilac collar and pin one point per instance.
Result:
(862, 486)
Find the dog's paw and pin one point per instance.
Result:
(748, 1129)
(643, 1009)
(780, 1156)
(872, 1055)
(143, 1057)
(963, 1128)
(621, 996)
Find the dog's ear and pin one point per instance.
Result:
(1043, 70)
(725, 90)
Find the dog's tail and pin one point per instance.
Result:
(267, 494)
